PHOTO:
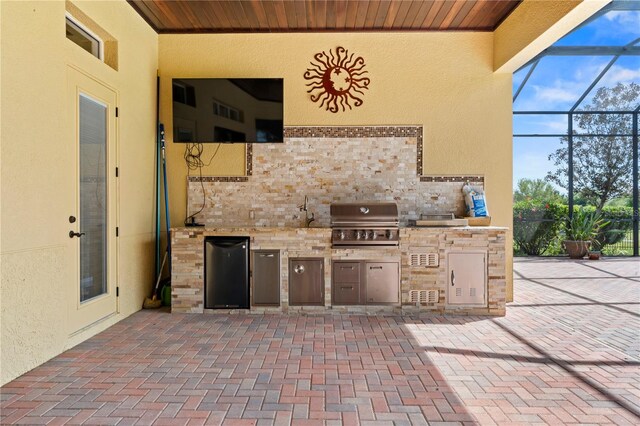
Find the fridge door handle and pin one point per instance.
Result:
(228, 244)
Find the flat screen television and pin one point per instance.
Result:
(228, 110)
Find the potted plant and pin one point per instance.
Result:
(581, 231)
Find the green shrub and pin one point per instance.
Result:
(584, 225)
(618, 223)
(615, 230)
(535, 226)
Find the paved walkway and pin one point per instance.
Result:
(567, 352)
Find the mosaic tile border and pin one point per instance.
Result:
(352, 131)
(219, 179)
(249, 158)
(452, 179)
(349, 132)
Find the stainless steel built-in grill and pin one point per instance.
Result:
(364, 225)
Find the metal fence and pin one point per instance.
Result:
(552, 245)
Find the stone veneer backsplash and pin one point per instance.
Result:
(378, 164)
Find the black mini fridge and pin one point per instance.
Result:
(226, 273)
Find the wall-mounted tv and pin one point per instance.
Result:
(228, 110)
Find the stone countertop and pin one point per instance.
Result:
(246, 228)
(457, 228)
(318, 228)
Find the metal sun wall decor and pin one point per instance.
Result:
(337, 79)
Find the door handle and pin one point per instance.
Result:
(453, 279)
(266, 255)
(298, 269)
(375, 267)
(75, 234)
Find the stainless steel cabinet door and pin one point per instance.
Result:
(467, 278)
(266, 277)
(306, 281)
(383, 282)
(346, 283)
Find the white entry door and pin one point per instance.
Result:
(92, 224)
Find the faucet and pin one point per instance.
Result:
(308, 220)
(303, 208)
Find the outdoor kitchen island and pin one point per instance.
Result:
(426, 259)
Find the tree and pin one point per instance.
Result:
(601, 164)
(536, 190)
(621, 202)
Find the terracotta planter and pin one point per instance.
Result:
(576, 249)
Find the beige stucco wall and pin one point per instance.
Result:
(535, 25)
(35, 167)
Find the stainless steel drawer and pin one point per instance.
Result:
(346, 272)
(346, 294)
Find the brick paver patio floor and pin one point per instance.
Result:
(567, 352)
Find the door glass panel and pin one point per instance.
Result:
(93, 198)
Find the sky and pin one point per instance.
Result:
(557, 83)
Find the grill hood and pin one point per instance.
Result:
(364, 214)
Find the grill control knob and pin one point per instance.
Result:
(365, 234)
(374, 235)
(341, 235)
(389, 235)
(358, 235)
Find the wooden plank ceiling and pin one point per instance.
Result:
(241, 16)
